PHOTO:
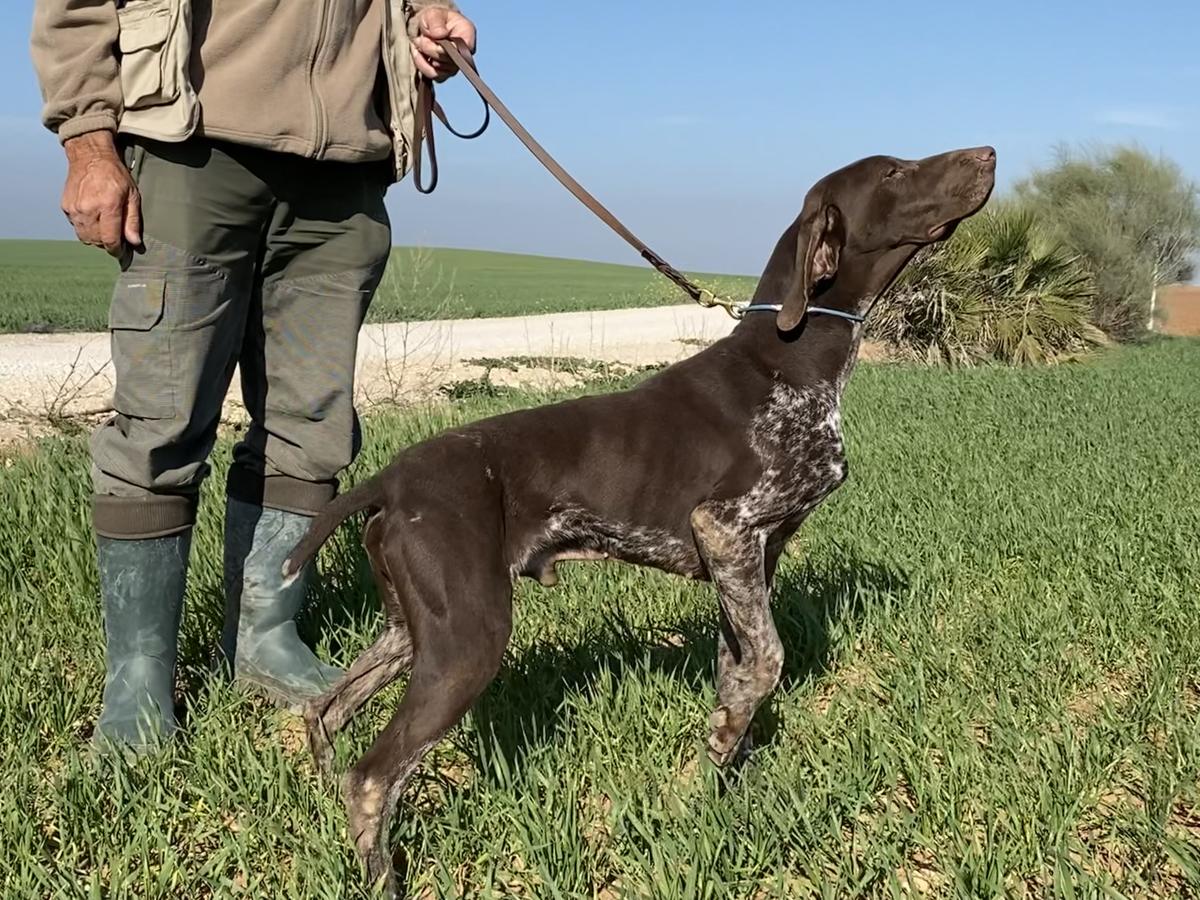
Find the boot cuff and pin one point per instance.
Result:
(139, 518)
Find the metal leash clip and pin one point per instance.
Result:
(709, 299)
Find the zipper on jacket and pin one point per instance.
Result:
(318, 105)
(393, 83)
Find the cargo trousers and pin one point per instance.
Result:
(251, 259)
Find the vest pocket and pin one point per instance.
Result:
(148, 71)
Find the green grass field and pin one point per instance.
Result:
(992, 688)
(65, 286)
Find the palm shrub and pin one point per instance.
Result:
(1000, 290)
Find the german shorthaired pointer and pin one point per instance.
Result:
(704, 470)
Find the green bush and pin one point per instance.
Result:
(1000, 290)
(1132, 217)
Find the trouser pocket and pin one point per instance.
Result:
(173, 338)
(141, 350)
(309, 342)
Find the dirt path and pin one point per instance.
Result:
(1179, 310)
(44, 378)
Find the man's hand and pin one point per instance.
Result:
(100, 197)
(435, 24)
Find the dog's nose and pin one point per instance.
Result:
(984, 155)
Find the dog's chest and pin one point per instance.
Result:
(797, 437)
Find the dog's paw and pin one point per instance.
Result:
(728, 742)
(381, 875)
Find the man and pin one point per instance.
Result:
(234, 157)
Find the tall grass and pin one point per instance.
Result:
(992, 685)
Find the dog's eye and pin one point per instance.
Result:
(894, 172)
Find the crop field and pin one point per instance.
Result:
(992, 685)
(64, 286)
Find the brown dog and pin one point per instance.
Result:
(704, 470)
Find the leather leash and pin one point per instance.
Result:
(428, 107)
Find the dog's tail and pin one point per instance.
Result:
(368, 495)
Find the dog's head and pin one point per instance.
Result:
(862, 224)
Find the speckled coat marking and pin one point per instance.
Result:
(575, 533)
(796, 436)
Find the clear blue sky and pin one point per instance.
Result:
(704, 123)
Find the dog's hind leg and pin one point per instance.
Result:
(377, 667)
(749, 652)
(461, 618)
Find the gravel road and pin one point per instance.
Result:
(43, 375)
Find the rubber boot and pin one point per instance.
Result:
(141, 584)
(259, 639)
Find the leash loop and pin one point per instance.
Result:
(428, 107)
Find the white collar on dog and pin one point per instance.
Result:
(822, 310)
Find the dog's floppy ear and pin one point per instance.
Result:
(818, 251)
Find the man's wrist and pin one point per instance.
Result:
(86, 123)
(418, 6)
(89, 145)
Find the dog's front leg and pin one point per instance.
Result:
(749, 653)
